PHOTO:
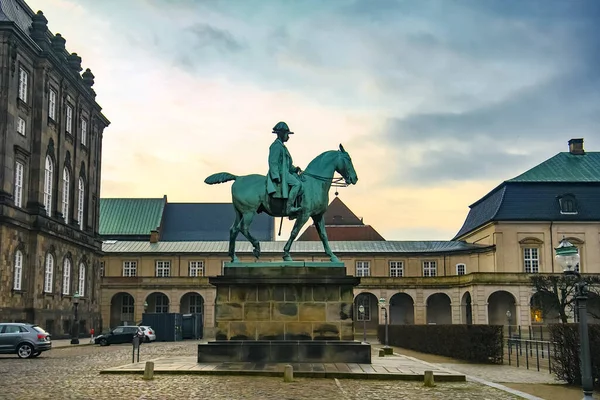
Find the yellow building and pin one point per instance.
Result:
(477, 277)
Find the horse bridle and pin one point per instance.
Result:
(335, 182)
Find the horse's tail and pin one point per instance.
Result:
(220, 177)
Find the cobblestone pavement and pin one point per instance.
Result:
(73, 373)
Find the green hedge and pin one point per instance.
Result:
(566, 364)
(477, 343)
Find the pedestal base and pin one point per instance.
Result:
(282, 351)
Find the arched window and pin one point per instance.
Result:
(18, 270)
(80, 203)
(49, 271)
(65, 199)
(81, 288)
(48, 185)
(67, 276)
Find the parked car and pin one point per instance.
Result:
(120, 334)
(24, 340)
(149, 333)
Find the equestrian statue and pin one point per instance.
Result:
(286, 191)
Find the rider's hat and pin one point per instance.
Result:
(282, 127)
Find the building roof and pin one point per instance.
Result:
(518, 201)
(564, 167)
(338, 213)
(209, 221)
(342, 233)
(18, 12)
(130, 216)
(404, 247)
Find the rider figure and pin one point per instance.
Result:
(282, 180)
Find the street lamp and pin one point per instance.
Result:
(567, 256)
(509, 320)
(75, 336)
(382, 305)
(145, 306)
(361, 310)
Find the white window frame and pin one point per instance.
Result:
(18, 270)
(102, 271)
(396, 269)
(531, 260)
(130, 268)
(363, 268)
(161, 306)
(81, 286)
(52, 104)
(18, 195)
(429, 269)
(66, 190)
(21, 126)
(48, 173)
(196, 268)
(197, 305)
(66, 289)
(464, 269)
(365, 301)
(163, 268)
(23, 84)
(83, 131)
(69, 119)
(80, 202)
(48, 273)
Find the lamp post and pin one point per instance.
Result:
(75, 336)
(382, 305)
(145, 306)
(361, 310)
(509, 320)
(567, 256)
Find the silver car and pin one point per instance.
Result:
(25, 340)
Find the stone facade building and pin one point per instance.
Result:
(51, 153)
(475, 278)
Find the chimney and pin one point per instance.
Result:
(153, 236)
(576, 146)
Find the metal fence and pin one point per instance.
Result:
(526, 347)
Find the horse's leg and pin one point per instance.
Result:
(320, 226)
(247, 218)
(233, 232)
(300, 221)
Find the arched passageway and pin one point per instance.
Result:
(466, 310)
(402, 309)
(439, 310)
(122, 310)
(370, 317)
(499, 304)
(158, 302)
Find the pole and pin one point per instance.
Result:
(75, 337)
(386, 326)
(586, 365)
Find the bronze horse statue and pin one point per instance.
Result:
(250, 197)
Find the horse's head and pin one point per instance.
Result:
(345, 167)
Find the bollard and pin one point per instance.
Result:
(288, 373)
(381, 353)
(429, 379)
(149, 371)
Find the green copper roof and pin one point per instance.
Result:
(130, 216)
(564, 167)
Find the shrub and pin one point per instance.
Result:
(477, 343)
(566, 352)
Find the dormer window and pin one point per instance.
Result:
(568, 204)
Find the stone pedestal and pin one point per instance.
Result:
(293, 305)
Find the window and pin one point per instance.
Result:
(362, 268)
(18, 270)
(48, 273)
(80, 203)
(21, 126)
(48, 185)
(568, 204)
(83, 132)
(196, 268)
(69, 119)
(52, 104)
(101, 269)
(162, 304)
(163, 269)
(65, 200)
(196, 303)
(531, 260)
(396, 269)
(67, 276)
(23, 81)
(81, 286)
(365, 301)
(429, 268)
(461, 269)
(129, 268)
(127, 306)
(18, 195)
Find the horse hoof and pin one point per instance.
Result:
(235, 259)
(334, 259)
(256, 253)
(287, 258)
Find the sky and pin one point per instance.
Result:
(436, 101)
